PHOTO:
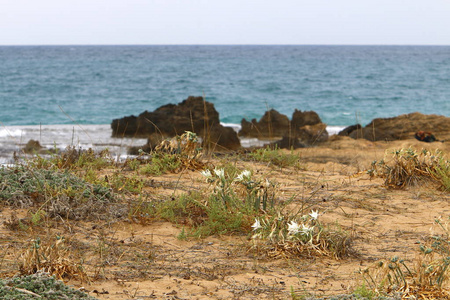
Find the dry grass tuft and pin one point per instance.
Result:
(409, 168)
(52, 258)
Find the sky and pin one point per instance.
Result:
(168, 22)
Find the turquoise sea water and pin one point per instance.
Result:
(70, 94)
(344, 84)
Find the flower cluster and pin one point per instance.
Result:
(257, 194)
(282, 227)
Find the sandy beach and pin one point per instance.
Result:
(146, 258)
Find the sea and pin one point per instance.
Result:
(68, 95)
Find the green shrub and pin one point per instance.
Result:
(38, 286)
(276, 157)
(58, 193)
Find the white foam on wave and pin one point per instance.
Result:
(334, 129)
(5, 132)
(236, 127)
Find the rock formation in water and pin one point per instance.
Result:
(305, 128)
(401, 127)
(193, 114)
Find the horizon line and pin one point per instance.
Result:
(296, 45)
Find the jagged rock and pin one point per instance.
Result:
(313, 134)
(300, 119)
(305, 127)
(222, 138)
(403, 127)
(193, 114)
(272, 124)
(349, 129)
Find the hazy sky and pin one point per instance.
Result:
(60, 22)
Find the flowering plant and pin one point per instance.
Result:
(256, 193)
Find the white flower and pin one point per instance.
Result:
(245, 175)
(314, 214)
(256, 225)
(293, 228)
(220, 173)
(306, 229)
(206, 173)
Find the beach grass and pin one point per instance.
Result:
(244, 196)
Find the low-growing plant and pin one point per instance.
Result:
(409, 167)
(425, 277)
(228, 206)
(276, 157)
(121, 183)
(442, 173)
(57, 193)
(288, 234)
(53, 258)
(73, 158)
(161, 163)
(38, 286)
(174, 155)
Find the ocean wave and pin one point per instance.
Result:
(4, 132)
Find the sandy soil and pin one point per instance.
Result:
(127, 260)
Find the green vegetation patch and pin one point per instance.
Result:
(409, 167)
(38, 286)
(59, 193)
(276, 157)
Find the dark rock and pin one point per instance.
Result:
(313, 134)
(403, 127)
(348, 130)
(300, 119)
(272, 124)
(222, 138)
(305, 127)
(193, 114)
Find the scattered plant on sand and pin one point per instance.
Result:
(38, 286)
(228, 206)
(174, 155)
(286, 234)
(275, 157)
(74, 159)
(57, 193)
(53, 258)
(409, 168)
(425, 278)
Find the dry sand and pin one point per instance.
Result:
(126, 260)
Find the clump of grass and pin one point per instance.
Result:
(228, 206)
(75, 159)
(161, 163)
(409, 168)
(53, 258)
(425, 278)
(442, 173)
(57, 193)
(38, 286)
(276, 157)
(174, 155)
(287, 234)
